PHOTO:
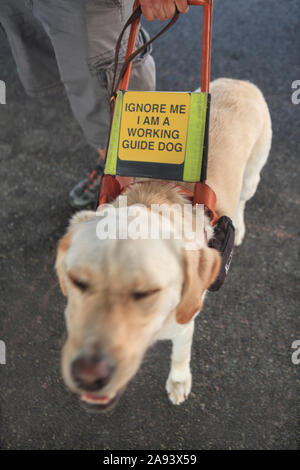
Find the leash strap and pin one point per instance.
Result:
(134, 19)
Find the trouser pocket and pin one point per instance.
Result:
(143, 68)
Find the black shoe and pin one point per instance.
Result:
(86, 191)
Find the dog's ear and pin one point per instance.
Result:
(81, 216)
(62, 248)
(65, 243)
(201, 268)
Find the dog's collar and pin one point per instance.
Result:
(223, 239)
(112, 187)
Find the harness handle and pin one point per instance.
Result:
(206, 43)
(111, 186)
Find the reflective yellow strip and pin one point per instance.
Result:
(195, 137)
(112, 152)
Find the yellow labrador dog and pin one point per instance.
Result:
(126, 293)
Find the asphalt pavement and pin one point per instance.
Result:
(245, 393)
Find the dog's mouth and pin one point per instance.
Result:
(99, 403)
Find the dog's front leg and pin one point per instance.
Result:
(180, 378)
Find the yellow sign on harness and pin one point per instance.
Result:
(154, 127)
(159, 135)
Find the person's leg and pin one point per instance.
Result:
(102, 51)
(31, 48)
(111, 19)
(84, 34)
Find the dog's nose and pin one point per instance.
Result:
(92, 373)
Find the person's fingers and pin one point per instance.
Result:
(147, 10)
(169, 8)
(182, 6)
(162, 9)
(159, 10)
(153, 9)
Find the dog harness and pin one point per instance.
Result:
(164, 135)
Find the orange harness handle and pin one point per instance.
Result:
(112, 186)
(206, 44)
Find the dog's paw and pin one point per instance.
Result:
(178, 391)
(239, 234)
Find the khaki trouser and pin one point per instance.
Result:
(70, 44)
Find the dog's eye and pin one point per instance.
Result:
(142, 295)
(81, 285)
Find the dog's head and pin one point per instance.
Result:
(122, 293)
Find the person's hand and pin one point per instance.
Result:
(162, 9)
